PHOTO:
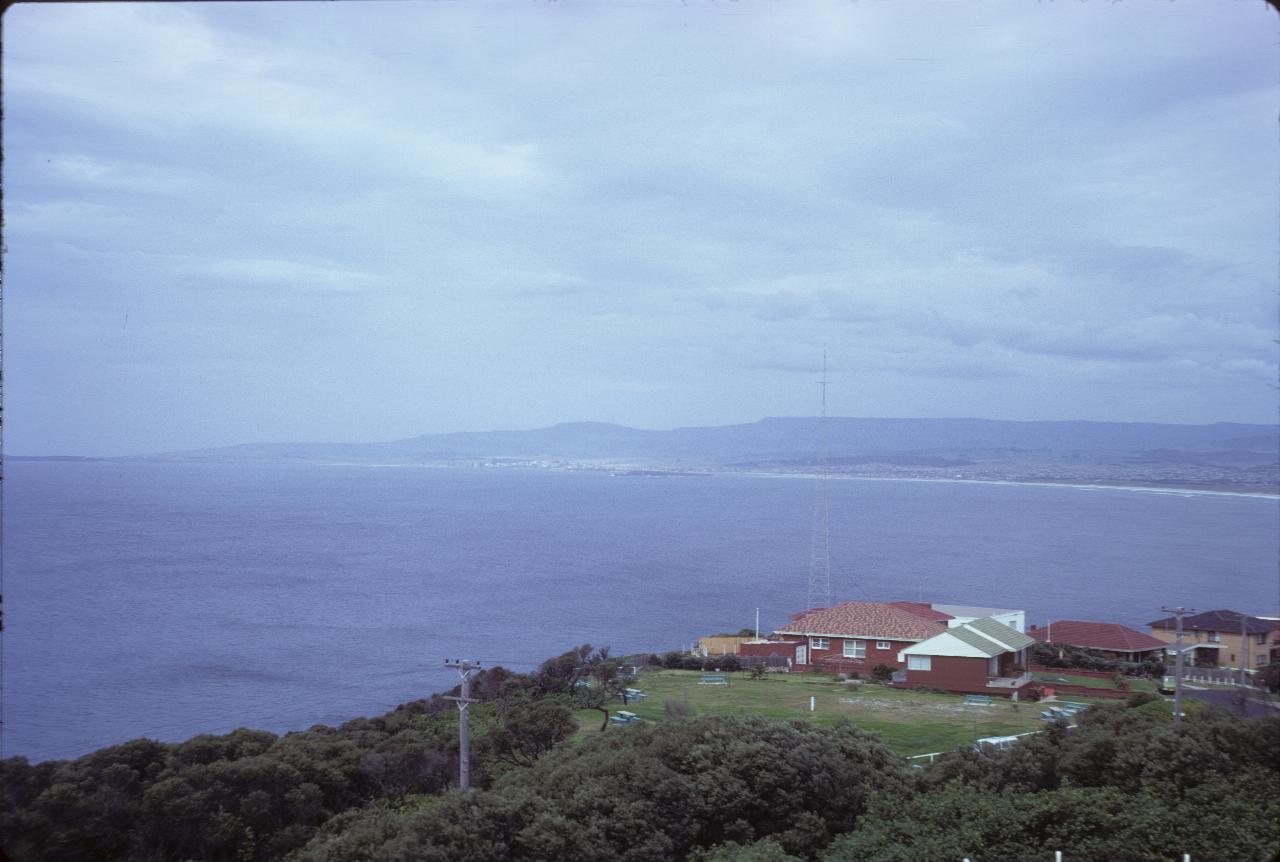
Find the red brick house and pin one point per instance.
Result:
(984, 656)
(1111, 639)
(852, 636)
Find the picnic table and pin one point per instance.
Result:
(624, 717)
(977, 700)
(713, 679)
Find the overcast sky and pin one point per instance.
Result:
(364, 221)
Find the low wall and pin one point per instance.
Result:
(1060, 689)
(1072, 671)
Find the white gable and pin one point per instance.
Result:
(945, 644)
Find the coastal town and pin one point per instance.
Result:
(991, 651)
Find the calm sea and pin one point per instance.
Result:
(165, 600)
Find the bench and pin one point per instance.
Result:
(713, 679)
(977, 700)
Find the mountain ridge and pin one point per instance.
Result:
(773, 438)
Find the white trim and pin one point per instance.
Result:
(945, 644)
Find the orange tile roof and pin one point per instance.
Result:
(1108, 636)
(865, 620)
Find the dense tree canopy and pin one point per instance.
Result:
(1126, 784)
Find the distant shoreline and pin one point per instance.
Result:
(637, 470)
(1179, 490)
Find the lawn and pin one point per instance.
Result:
(909, 722)
(1135, 683)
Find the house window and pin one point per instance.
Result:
(883, 645)
(1213, 637)
(855, 649)
(819, 643)
(919, 662)
(1260, 659)
(1260, 639)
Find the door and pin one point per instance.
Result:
(802, 655)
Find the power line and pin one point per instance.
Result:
(820, 544)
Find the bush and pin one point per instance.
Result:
(882, 673)
(649, 793)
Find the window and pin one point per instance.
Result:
(919, 662)
(819, 643)
(1260, 639)
(883, 645)
(1260, 659)
(1213, 637)
(855, 649)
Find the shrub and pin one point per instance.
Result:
(882, 673)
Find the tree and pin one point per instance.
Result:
(598, 683)
(528, 728)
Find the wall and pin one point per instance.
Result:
(786, 649)
(713, 646)
(952, 672)
(874, 656)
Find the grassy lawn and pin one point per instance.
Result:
(909, 722)
(1051, 677)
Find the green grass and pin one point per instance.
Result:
(1135, 684)
(909, 722)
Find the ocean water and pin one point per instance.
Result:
(166, 600)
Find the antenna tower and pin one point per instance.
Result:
(820, 546)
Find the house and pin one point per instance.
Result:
(982, 656)
(720, 645)
(1222, 638)
(852, 636)
(1111, 639)
(954, 615)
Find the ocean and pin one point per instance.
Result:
(170, 599)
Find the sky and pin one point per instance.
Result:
(341, 222)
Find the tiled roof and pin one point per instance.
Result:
(975, 640)
(923, 610)
(1005, 634)
(1218, 621)
(1108, 636)
(864, 619)
(986, 637)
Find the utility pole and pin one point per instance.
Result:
(1244, 653)
(464, 702)
(1178, 614)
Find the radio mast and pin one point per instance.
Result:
(820, 546)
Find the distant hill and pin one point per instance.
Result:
(792, 440)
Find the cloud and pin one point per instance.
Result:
(294, 275)
(86, 171)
